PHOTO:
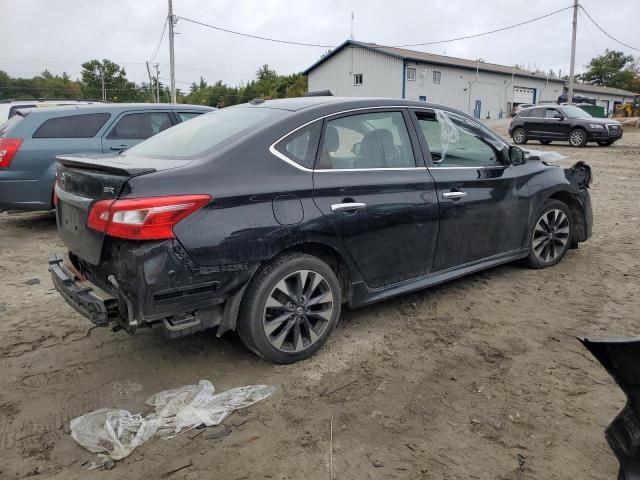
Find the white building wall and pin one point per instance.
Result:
(460, 88)
(381, 74)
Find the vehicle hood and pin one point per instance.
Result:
(601, 121)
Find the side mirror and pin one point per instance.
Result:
(516, 156)
(357, 148)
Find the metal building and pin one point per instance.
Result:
(482, 89)
(606, 97)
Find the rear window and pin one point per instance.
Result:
(74, 126)
(201, 134)
(6, 127)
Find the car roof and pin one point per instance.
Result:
(114, 108)
(300, 103)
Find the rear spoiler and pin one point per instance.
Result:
(621, 358)
(109, 163)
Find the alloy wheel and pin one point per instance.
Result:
(518, 135)
(577, 138)
(298, 311)
(551, 235)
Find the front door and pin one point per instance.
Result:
(477, 109)
(131, 128)
(556, 124)
(484, 203)
(372, 185)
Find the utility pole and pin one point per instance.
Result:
(104, 92)
(153, 95)
(156, 65)
(172, 60)
(573, 52)
(352, 20)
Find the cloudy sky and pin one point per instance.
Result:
(60, 34)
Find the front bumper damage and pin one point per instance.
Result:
(621, 358)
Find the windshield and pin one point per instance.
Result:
(202, 134)
(574, 112)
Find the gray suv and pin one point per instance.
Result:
(31, 139)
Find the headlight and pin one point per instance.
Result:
(596, 126)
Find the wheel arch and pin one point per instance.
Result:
(577, 214)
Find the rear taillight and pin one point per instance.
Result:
(150, 218)
(8, 149)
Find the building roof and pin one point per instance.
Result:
(583, 87)
(434, 59)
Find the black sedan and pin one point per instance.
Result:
(563, 122)
(267, 217)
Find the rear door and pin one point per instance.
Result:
(131, 128)
(373, 186)
(534, 123)
(484, 203)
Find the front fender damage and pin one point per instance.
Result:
(621, 358)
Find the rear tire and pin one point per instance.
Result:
(545, 142)
(607, 143)
(577, 138)
(551, 235)
(290, 308)
(519, 136)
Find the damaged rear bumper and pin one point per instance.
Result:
(621, 358)
(89, 301)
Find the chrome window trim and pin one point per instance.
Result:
(281, 156)
(483, 167)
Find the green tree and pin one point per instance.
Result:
(611, 69)
(117, 87)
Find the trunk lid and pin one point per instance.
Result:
(84, 179)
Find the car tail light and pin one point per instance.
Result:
(150, 218)
(8, 149)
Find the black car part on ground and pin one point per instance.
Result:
(621, 358)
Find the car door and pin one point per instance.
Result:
(131, 128)
(556, 124)
(534, 123)
(370, 182)
(483, 202)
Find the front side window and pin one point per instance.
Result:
(411, 74)
(203, 134)
(437, 76)
(357, 79)
(140, 126)
(455, 141)
(301, 145)
(73, 126)
(552, 113)
(367, 141)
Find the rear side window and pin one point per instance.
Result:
(139, 126)
(532, 112)
(184, 116)
(74, 126)
(301, 146)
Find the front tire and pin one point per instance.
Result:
(577, 138)
(551, 235)
(519, 136)
(290, 308)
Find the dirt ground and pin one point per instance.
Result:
(479, 378)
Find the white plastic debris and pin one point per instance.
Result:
(114, 431)
(118, 432)
(187, 407)
(544, 155)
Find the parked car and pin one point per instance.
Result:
(8, 108)
(267, 217)
(31, 139)
(518, 108)
(563, 122)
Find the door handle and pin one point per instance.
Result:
(119, 148)
(336, 207)
(454, 195)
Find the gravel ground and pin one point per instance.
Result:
(479, 378)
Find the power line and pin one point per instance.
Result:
(484, 33)
(607, 34)
(257, 37)
(164, 28)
